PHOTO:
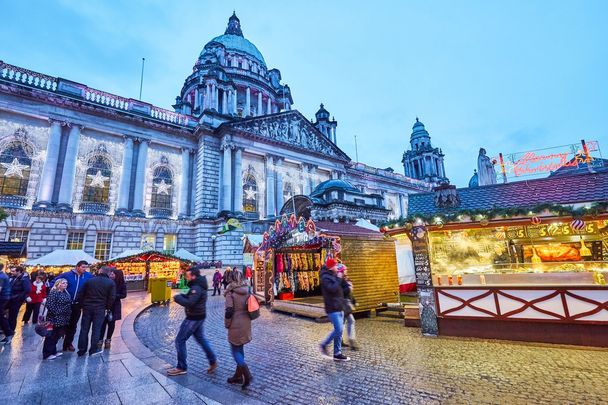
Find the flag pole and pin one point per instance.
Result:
(141, 81)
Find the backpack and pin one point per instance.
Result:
(253, 306)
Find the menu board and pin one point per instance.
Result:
(420, 250)
(258, 274)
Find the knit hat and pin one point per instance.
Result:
(341, 268)
(330, 263)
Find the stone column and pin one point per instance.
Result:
(207, 101)
(224, 102)
(279, 189)
(401, 210)
(270, 211)
(196, 98)
(306, 189)
(235, 95)
(260, 112)
(238, 180)
(184, 186)
(268, 106)
(47, 180)
(227, 177)
(313, 181)
(247, 110)
(140, 179)
(66, 190)
(125, 178)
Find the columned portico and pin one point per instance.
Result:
(184, 186)
(69, 169)
(125, 178)
(140, 179)
(47, 180)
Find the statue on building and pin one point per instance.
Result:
(486, 174)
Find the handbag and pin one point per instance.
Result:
(43, 328)
(253, 306)
(109, 316)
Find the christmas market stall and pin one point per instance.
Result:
(140, 266)
(59, 261)
(12, 253)
(289, 259)
(525, 261)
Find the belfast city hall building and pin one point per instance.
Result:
(84, 169)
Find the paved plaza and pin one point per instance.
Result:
(396, 365)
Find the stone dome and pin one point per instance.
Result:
(333, 184)
(233, 40)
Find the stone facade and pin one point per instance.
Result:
(80, 167)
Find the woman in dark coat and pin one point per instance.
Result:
(59, 311)
(121, 293)
(238, 323)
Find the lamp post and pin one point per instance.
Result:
(213, 238)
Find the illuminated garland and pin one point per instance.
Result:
(499, 213)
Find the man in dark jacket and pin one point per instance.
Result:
(332, 286)
(97, 296)
(77, 277)
(195, 303)
(5, 296)
(21, 286)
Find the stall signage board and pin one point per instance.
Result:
(549, 230)
(259, 276)
(424, 281)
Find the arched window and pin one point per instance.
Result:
(162, 188)
(15, 166)
(97, 182)
(250, 194)
(287, 192)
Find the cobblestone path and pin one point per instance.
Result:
(396, 365)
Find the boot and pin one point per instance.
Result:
(353, 345)
(107, 344)
(247, 377)
(237, 378)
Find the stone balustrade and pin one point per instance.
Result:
(41, 81)
(397, 176)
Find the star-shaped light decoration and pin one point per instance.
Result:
(287, 195)
(162, 187)
(14, 169)
(98, 180)
(250, 193)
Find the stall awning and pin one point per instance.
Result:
(12, 249)
(127, 253)
(185, 255)
(346, 229)
(62, 257)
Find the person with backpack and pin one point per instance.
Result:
(238, 322)
(195, 306)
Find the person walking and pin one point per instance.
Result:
(59, 312)
(349, 306)
(5, 296)
(226, 277)
(249, 275)
(21, 287)
(217, 282)
(76, 278)
(238, 323)
(195, 306)
(97, 298)
(332, 287)
(121, 293)
(34, 300)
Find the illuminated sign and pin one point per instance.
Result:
(549, 160)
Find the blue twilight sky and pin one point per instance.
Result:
(506, 75)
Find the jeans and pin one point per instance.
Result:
(350, 327)
(31, 309)
(70, 330)
(218, 289)
(90, 317)
(187, 329)
(50, 342)
(337, 320)
(13, 311)
(4, 325)
(238, 352)
(110, 328)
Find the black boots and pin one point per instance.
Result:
(246, 376)
(237, 378)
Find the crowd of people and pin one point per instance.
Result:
(62, 302)
(94, 301)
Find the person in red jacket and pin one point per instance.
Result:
(34, 300)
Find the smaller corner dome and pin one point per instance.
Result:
(322, 113)
(333, 184)
(419, 130)
(474, 182)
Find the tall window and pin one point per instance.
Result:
(103, 246)
(148, 241)
(287, 192)
(15, 166)
(162, 188)
(250, 194)
(75, 241)
(97, 182)
(18, 235)
(170, 243)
